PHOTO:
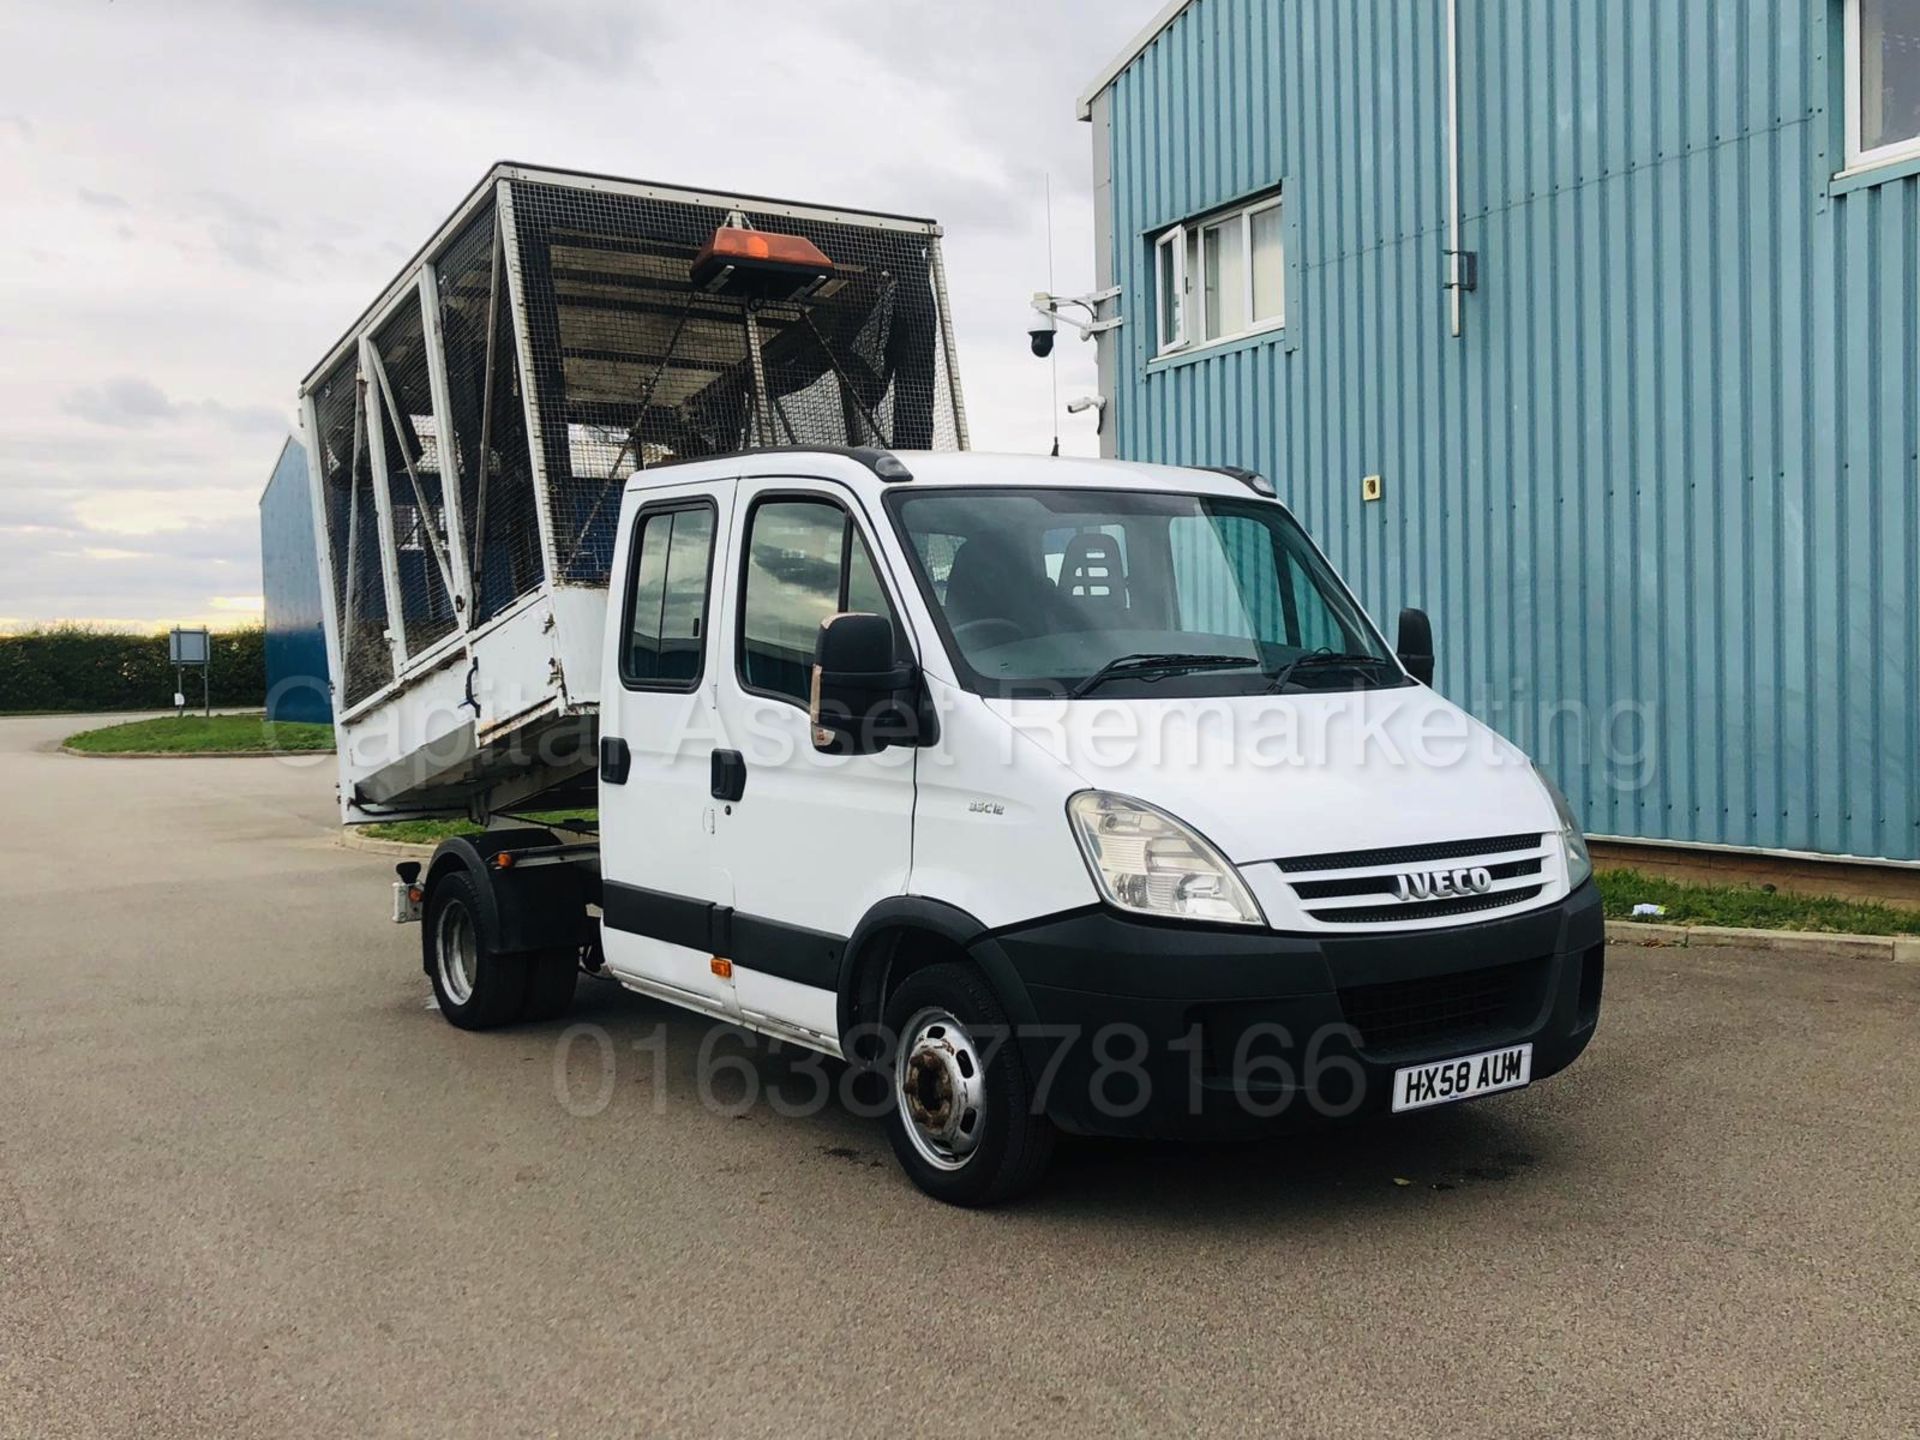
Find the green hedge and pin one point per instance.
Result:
(73, 668)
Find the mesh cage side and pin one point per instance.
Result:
(501, 530)
(353, 533)
(632, 366)
(946, 409)
(413, 456)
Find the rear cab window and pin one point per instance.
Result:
(668, 593)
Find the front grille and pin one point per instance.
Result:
(1430, 910)
(1370, 884)
(1362, 887)
(1408, 854)
(1403, 1014)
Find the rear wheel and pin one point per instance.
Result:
(476, 986)
(962, 1121)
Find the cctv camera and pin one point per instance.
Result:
(1041, 337)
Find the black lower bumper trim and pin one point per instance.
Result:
(1148, 1029)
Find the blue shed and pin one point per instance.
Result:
(1590, 326)
(297, 687)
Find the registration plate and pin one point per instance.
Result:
(1418, 1086)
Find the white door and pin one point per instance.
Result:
(662, 885)
(812, 841)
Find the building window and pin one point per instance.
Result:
(1223, 275)
(1883, 81)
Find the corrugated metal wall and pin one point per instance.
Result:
(1663, 498)
(290, 582)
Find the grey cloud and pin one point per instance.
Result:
(57, 581)
(210, 544)
(103, 199)
(19, 124)
(587, 33)
(125, 402)
(130, 402)
(245, 234)
(1039, 54)
(255, 419)
(38, 471)
(968, 202)
(1013, 90)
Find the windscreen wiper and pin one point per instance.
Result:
(1320, 659)
(1149, 663)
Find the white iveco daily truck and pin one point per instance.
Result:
(1049, 794)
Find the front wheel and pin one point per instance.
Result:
(962, 1123)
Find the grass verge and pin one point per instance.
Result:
(432, 832)
(1748, 907)
(198, 734)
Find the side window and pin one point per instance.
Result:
(805, 562)
(667, 600)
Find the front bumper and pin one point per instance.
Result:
(1135, 1028)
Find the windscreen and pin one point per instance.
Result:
(1051, 591)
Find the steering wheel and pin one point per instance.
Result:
(985, 634)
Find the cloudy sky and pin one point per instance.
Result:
(198, 196)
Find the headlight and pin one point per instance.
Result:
(1579, 862)
(1146, 861)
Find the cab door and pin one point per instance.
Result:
(809, 841)
(661, 881)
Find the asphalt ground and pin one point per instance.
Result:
(250, 1183)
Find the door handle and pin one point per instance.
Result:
(729, 774)
(615, 760)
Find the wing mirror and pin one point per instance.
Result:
(865, 697)
(1415, 645)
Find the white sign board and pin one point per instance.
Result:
(188, 647)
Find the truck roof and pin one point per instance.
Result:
(951, 468)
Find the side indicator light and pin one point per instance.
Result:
(723, 968)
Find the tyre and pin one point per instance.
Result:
(550, 979)
(962, 1121)
(477, 986)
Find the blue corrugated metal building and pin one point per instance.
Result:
(1658, 480)
(297, 687)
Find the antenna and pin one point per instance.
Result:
(1053, 412)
